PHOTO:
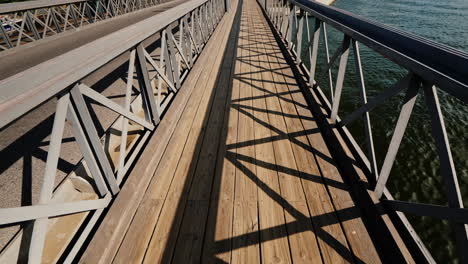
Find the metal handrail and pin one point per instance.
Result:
(436, 63)
(28, 89)
(431, 66)
(181, 32)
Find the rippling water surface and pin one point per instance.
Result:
(416, 173)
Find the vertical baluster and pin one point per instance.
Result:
(367, 123)
(173, 62)
(295, 14)
(20, 33)
(277, 3)
(149, 102)
(212, 17)
(309, 51)
(86, 151)
(165, 59)
(203, 22)
(67, 13)
(123, 136)
(73, 15)
(283, 19)
(202, 25)
(299, 37)
(89, 14)
(55, 20)
(313, 60)
(181, 42)
(340, 78)
(46, 24)
(53, 155)
(192, 29)
(447, 167)
(207, 20)
(277, 14)
(95, 142)
(327, 55)
(6, 37)
(32, 25)
(189, 41)
(289, 31)
(97, 11)
(403, 118)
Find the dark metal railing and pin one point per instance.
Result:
(155, 77)
(431, 66)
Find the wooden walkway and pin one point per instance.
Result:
(244, 175)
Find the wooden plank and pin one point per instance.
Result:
(331, 238)
(362, 246)
(190, 240)
(245, 242)
(134, 246)
(332, 241)
(191, 235)
(317, 197)
(379, 221)
(291, 188)
(395, 249)
(303, 243)
(302, 239)
(356, 233)
(217, 243)
(273, 233)
(162, 244)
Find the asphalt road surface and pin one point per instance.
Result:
(16, 60)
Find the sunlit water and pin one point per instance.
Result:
(416, 173)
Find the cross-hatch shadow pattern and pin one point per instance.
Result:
(247, 176)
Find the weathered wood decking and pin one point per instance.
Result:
(245, 176)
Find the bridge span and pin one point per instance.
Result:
(222, 146)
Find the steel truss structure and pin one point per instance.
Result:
(183, 32)
(25, 22)
(431, 66)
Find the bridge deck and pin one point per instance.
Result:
(246, 176)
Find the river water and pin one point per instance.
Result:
(416, 173)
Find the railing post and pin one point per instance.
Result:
(313, 61)
(31, 25)
(367, 123)
(403, 118)
(58, 28)
(289, 31)
(299, 37)
(6, 37)
(40, 225)
(327, 55)
(447, 166)
(340, 78)
(145, 86)
(95, 143)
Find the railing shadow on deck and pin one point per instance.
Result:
(371, 211)
(262, 235)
